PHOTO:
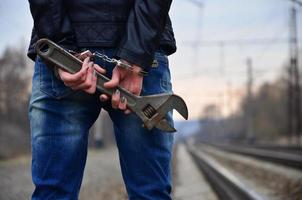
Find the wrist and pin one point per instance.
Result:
(137, 70)
(132, 67)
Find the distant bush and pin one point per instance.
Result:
(268, 107)
(15, 76)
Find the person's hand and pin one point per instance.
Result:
(130, 80)
(84, 79)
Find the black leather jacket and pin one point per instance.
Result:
(136, 28)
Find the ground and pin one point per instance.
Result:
(102, 179)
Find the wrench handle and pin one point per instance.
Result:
(58, 56)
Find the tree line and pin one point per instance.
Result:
(15, 76)
(260, 118)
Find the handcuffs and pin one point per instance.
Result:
(119, 63)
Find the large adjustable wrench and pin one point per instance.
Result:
(152, 109)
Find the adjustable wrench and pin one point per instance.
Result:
(151, 109)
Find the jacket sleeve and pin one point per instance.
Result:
(51, 21)
(145, 25)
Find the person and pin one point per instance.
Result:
(64, 106)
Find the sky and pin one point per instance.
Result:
(208, 66)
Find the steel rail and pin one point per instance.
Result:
(275, 155)
(280, 148)
(224, 183)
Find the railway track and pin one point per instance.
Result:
(225, 184)
(280, 148)
(287, 156)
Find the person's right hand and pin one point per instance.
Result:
(84, 79)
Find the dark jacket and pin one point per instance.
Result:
(136, 28)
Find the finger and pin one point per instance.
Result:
(63, 74)
(127, 112)
(135, 89)
(87, 83)
(89, 79)
(84, 55)
(86, 62)
(84, 70)
(84, 82)
(125, 84)
(85, 67)
(114, 80)
(82, 73)
(103, 97)
(92, 88)
(99, 69)
(73, 79)
(115, 99)
(123, 103)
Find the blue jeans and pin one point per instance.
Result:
(60, 119)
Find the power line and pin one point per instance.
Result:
(221, 44)
(238, 42)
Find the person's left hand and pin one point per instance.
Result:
(84, 79)
(130, 80)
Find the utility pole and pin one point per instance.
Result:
(249, 106)
(294, 87)
(290, 105)
(200, 6)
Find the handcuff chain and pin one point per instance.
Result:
(119, 63)
(105, 58)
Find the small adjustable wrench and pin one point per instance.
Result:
(152, 109)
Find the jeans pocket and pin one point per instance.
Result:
(49, 83)
(166, 85)
(159, 79)
(163, 67)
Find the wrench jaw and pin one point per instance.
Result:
(155, 108)
(163, 125)
(160, 123)
(177, 103)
